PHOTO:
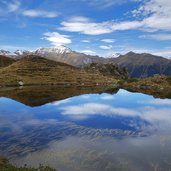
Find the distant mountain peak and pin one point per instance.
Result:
(115, 55)
(131, 53)
(57, 50)
(4, 52)
(22, 52)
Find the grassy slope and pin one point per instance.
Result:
(5, 61)
(34, 70)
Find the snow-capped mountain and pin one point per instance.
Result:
(55, 50)
(22, 52)
(5, 52)
(115, 55)
(64, 54)
(15, 54)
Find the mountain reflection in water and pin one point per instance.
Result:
(85, 129)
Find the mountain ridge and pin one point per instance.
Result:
(144, 65)
(137, 64)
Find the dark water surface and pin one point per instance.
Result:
(76, 129)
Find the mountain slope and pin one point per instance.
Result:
(5, 61)
(35, 70)
(107, 69)
(143, 65)
(66, 55)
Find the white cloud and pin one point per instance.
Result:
(165, 52)
(12, 7)
(106, 3)
(15, 7)
(157, 102)
(57, 103)
(85, 110)
(37, 122)
(57, 39)
(13, 47)
(155, 115)
(7, 7)
(157, 14)
(154, 15)
(40, 13)
(160, 37)
(86, 41)
(89, 52)
(108, 40)
(86, 96)
(85, 26)
(105, 47)
(107, 97)
(123, 49)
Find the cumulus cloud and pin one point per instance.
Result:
(105, 47)
(57, 39)
(40, 13)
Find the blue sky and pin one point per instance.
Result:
(101, 27)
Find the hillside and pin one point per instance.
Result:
(5, 61)
(107, 69)
(143, 65)
(35, 70)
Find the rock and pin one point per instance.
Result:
(20, 83)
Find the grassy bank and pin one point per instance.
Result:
(6, 166)
(158, 86)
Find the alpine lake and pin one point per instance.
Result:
(85, 129)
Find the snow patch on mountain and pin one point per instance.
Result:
(55, 50)
(5, 52)
(113, 55)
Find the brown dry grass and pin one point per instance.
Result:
(34, 70)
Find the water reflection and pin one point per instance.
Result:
(123, 131)
(105, 154)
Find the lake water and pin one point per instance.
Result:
(114, 130)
